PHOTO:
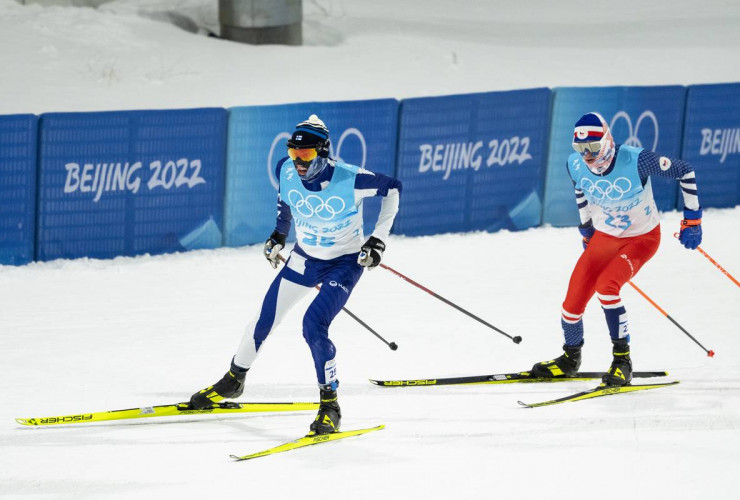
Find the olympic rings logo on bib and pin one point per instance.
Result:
(603, 188)
(313, 205)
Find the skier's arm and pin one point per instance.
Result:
(650, 163)
(586, 227)
(373, 184)
(284, 215)
(584, 209)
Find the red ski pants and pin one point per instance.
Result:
(606, 265)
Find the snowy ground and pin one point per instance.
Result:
(98, 335)
(76, 59)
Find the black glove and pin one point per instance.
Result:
(587, 231)
(273, 245)
(371, 252)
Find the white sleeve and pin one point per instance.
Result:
(388, 210)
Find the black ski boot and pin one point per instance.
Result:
(230, 386)
(329, 416)
(563, 366)
(620, 372)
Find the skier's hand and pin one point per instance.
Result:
(273, 245)
(371, 252)
(587, 231)
(690, 236)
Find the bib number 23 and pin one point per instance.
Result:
(618, 221)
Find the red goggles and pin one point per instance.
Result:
(302, 154)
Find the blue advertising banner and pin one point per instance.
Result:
(362, 133)
(712, 142)
(130, 182)
(18, 140)
(647, 117)
(472, 162)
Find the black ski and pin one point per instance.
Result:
(504, 378)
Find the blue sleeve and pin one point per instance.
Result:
(380, 183)
(649, 163)
(284, 215)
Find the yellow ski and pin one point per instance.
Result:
(307, 441)
(601, 390)
(166, 411)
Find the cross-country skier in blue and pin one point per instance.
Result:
(323, 197)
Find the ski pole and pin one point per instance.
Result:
(709, 352)
(724, 271)
(516, 339)
(393, 346)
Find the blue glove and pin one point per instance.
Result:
(690, 236)
(587, 231)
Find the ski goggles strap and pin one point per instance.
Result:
(303, 154)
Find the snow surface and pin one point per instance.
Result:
(120, 57)
(91, 335)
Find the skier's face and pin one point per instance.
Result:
(301, 167)
(589, 157)
(302, 159)
(596, 154)
(599, 161)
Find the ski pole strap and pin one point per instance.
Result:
(689, 222)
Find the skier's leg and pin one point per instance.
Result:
(632, 255)
(580, 290)
(286, 289)
(338, 282)
(629, 259)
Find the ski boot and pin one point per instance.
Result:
(329, 416)
(620, 372)
(230, 386)
(563, 366)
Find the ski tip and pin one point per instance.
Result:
(523, 404)
(376, 382)
(23, 421)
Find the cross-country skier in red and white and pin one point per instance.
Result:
(621, 231)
